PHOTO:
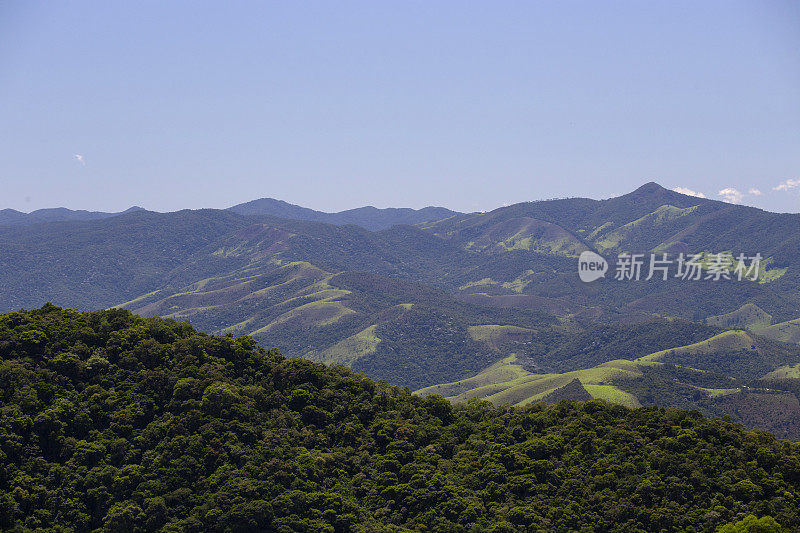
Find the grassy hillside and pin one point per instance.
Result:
(736, 353)
(784, 372)
(404, 332)
(732, 373)
(599, 343)
(788, 331)
(497, 337)
(749, 316)
(507, 382)
(113, 422)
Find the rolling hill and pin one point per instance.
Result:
(442, 301)
(718, 376)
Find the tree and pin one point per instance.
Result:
(751, 524)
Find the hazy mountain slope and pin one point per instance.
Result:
(97, 264)
(367, 217)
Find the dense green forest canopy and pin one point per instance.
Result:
(114, 422)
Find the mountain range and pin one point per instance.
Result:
(368, 217)
(482, 305)
(12, 217)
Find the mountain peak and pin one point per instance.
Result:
(649, 188)
(655, 194)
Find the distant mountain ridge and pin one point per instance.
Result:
(369, 217)
(12, 217)
(520, 256)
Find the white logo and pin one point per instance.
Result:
(591, 266)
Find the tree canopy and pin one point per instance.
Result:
(112, 422)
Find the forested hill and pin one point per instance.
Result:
(120, 423)
(368, 217)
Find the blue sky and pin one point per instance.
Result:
(334, 105)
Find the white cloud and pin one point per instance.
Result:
(754, 192)
(786, 185)
(80, 159)
(689, 192)
(731, 195)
